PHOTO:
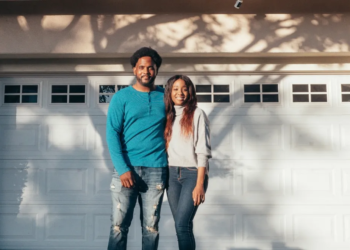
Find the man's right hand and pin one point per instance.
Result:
(127, 179)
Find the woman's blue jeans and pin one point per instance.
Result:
(182, 181)
(148, 190)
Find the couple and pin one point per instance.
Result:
(147, 131)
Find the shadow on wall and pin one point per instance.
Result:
(210, 33)
(272, 33)
(175, 33)
(61, 176)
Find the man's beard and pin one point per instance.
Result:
(146, 84)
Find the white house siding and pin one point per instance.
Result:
(279, 177)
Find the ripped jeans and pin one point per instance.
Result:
(149, 191)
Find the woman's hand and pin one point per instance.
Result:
(198, 195)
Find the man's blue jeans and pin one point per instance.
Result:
(182, 181)
(149, 191)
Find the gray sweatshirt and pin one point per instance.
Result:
(194, 150)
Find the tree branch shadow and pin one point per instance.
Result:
(107, 38)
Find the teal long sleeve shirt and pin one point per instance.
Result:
(135, 129)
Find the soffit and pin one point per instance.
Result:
(172, 7)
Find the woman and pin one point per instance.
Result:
(188, 146)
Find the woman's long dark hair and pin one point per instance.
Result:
(190, 105)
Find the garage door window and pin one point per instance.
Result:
(309, 93)
(257, 93)
(106, 93)
(21, 94)
(213, 93)
(345, 89)
(68, 94)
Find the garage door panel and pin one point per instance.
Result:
(50, 137)
(18, 227)
(222, 137)
(67, 137)
(20, 137)
(322, 182)
(47, 181)
(298, 226)
(233, 181)
(314, 227)
(257, 137)
(102, 179)
(65, 227)
(346, 182)
(77, 181)
(275, 140)
(13, 181)
(100, 137)
(312, 137)
(345, 137)
(264, 227)
(222, 181)
(62, 181)
(214, 226)
(101, 227)
(278, 182)
(347, 227)
(272, 182)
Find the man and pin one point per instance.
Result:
(135, 126)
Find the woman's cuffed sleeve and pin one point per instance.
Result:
(202, 139)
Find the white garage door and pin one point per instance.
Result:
(280, 176)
